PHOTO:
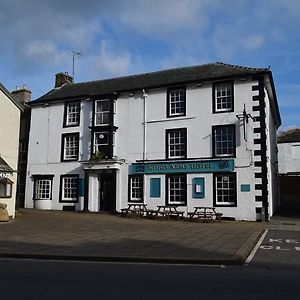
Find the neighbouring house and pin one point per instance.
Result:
(23, 96)
(193, 136)
(289, 168)
(10, 112)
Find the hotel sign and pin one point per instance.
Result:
(210, 166)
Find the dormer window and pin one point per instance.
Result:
(102, 112)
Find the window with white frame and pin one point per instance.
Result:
(5, 188)
(69, 188)
(225, 189)
(70, 146)
(72, 113)
(176, 143)
(136, 189)
(43, 188)
(102, 112)
(223, 140)
(100, 139)
(223, 97)
(176, 102)
(176, 189)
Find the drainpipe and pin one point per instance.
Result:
(144, 96)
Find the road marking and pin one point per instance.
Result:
(250, 257)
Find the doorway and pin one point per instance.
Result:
(107, 191)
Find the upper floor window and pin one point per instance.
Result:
(223, 137)
(176, 102)
(176, 143)
(70, 146)
(100, 139)
(69, 188)
(223, 97)
(102, 112)
(72, 114)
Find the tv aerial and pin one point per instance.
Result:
(75, 54)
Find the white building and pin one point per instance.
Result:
(289, 168)
(193, 136)
(10, 112)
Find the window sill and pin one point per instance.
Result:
(173, 118)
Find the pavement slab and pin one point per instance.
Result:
(106, 237)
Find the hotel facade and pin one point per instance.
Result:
(193, 136)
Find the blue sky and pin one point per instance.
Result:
(135, 36)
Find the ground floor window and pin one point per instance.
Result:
(5, 188)
(225, 189)
(42, 188)
(136, 188)
(69, 188)
(176, 189)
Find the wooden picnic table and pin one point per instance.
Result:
(206, 214)
(135, 209)
(168, 211)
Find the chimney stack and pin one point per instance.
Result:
(22, 94)
(62, 78)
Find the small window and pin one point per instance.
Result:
(136, 189)
(176, 189)
(100, 139)
(223, 97)
(102, 112)
(43, 188)
(223, 140)
(176, 143)
(69, 188)
(225, 189)
(72, 114)
(5, 188)
(70, 146)
(176, 99)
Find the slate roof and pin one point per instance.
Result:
(157, 79)
(4, 167)
(290, 136)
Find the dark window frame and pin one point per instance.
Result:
(61, 200)
(78, 102)
(5, 182)
(130, 190)
(169, 90)
(215, 202)
(214, 127)
(215, 110)
(62, 155)
(167, 148)
(42, 177)
(168, 176)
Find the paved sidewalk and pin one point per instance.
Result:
(104, 237)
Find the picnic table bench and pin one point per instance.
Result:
(136, 209)
(206, 214)
(167, 211)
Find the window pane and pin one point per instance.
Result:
(71, 144)
(225, 189)
(102, 112)
(136, 188)
(73, 110)
(224, 140)
(177, 102)
(70, 188)
(223, 97)
(43, 189)
(177, 189)
(177, 143)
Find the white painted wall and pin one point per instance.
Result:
(9, 144)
